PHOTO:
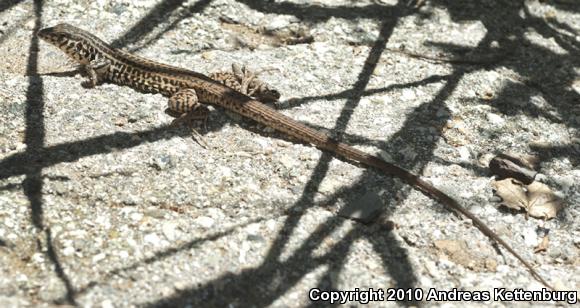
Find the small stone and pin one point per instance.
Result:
(576, 85)
(494, 119)
(162, 162)
(204, 221)
(152, 239)
(30, 24)
(155, 213)
(277, 23)
(136, 216)
(179, 285)
(21, 278)
(130, 199)
(464, 154)
(263, 143)
(120, 122)
(490, 264)
(60, 188)
(20, 147)
(365, 210)
(99, 257)
(208, 55)
(68, 251)
(566, 182)
(107, 304)
(169, 229)
(385, 156)
(255, 238)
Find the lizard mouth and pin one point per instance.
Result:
(42, 33)
(49, 35)
(45, 34)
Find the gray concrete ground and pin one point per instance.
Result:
(103, 204)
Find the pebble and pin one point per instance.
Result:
(494, 118)
(170, 230)
(123, 254)
(130, 199)
(162, 162)
(530, 237)
(153, 239)
(278, 23)
(464, 154)
(365, 209)
(204, 222)
(136, 216)
(107, 304)
(99, 257)
(68, 251)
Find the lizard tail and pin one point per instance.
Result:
(351, 153)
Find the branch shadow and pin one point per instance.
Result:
(541, 69)
(7, 4)
(268, 281)
(346, 94)
(230, 287)
(320, 13)
(23, 163)
(162, 11)
(34, 140)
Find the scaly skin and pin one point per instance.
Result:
(186, 89)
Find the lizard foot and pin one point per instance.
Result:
(188, 119)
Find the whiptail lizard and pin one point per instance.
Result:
(188, 91)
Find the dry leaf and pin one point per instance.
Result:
(542, 201)
(512, 193)
(536, 199)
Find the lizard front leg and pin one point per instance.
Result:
(96, 71)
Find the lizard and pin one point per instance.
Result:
(241, 79)
(188, 92)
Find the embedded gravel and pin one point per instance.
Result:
(103, 204)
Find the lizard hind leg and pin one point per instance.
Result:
(245, 77)
(185, 106)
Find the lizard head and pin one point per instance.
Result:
(76, 43)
